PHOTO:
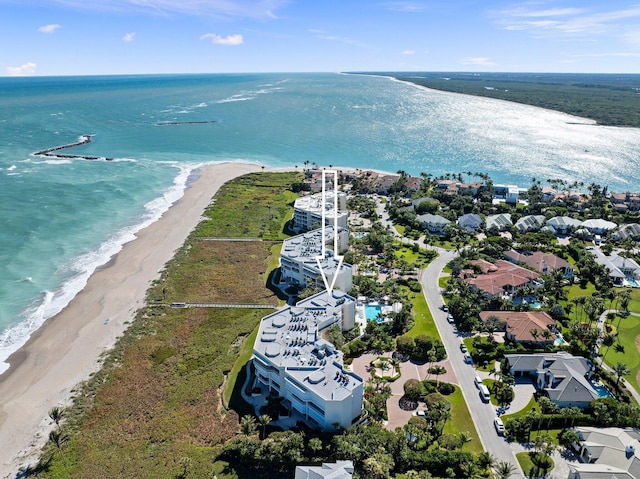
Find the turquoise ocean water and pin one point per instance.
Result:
(62, 218)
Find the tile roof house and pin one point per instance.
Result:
(333, 470)
(564, 377)
(541, 262)
(623, 202)
(501, 278)
(519, 324)
(606, 453)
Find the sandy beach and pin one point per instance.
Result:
(67, 348)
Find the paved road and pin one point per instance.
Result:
(481, 413)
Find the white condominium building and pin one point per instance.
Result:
(292, 360)
(299, 266)
(307, 211)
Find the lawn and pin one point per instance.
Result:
(532, 406)
(418, 259)
(423, 320)
(524, 459)
(461, 421)
(628, 334)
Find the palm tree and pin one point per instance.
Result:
(56, 414)
(248, 424)
(464, 438)
(620, 369)
(504, 470)
(437, 370)
(264, 420)
(607, 340)
(535, 333)
(58, 439)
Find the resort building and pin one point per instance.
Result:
(508, 193)
(307, 211)
(292, 361)
(519, 325)
(606, 453)
(541, 262)
(299, 266)
(564, 377)
(333, 470)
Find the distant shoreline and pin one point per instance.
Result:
(609, 100)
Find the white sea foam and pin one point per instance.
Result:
(57, 162)
(82, 267)
(11, 168)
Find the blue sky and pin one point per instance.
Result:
(87, 37)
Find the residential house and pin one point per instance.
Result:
(620, 268)
(433, 223)
(292, 361)
(564, 377)
(518, 325)
(333, 470)
(308, 211)
(563, 225)
(413, 183)
(631, 230)
(541, 262)
(606, 453)
(501, 278)
(508, 193)
(530, 223)
(302, 263)
(383, 183)
(548, 194)
(470, 222)
(502, 221)
(599, 226)
(623, 202)
(469, 188)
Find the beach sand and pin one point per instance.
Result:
(67, 348)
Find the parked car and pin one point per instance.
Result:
(421, 413)
(499, 425)
(450, 318)
(445, 308)
(467, 358)
(463, 347)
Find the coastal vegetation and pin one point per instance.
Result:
(155, 409)
(611, 100)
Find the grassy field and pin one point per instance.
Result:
(607, 99)
(423, 320)
(157, 399)
(461, 421)
(629, 338)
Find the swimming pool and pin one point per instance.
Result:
(371, 312)
(602, 391)
(559, 339)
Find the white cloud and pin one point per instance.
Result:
(408, 52)
(566, 22)
(633, 37)
(261, 9)
(128, 37)
(23, 70)
(49, 28)
(409, 7)
(483, 61)
(235, 39)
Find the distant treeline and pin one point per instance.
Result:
(609, 99)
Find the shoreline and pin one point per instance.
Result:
(67, 348)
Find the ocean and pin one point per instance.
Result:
(62, 218)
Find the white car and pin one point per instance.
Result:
(499, 425)
(450, 318)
